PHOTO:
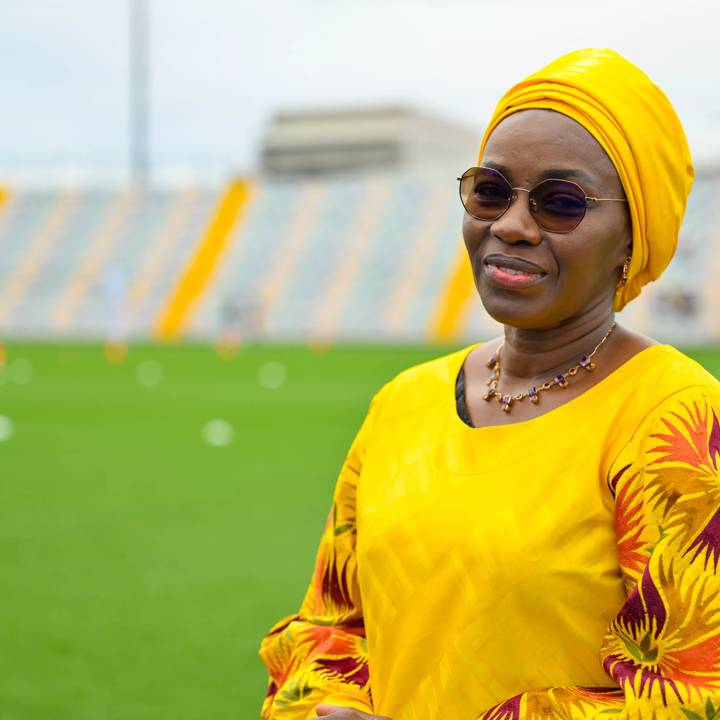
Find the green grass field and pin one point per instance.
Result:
(140, 564)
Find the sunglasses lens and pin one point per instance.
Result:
(485, 193)
(558, 205)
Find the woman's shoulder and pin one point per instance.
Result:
(670, 370)
(670, 397)
(655, 370)
(661, 382)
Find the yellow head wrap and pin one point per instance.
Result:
(637, 126)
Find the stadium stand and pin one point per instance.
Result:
(327, 259)
(94, 263)
(350, 258)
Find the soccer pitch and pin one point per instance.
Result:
(141, 564)
(158, 515)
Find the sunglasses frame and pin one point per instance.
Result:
(589, 200)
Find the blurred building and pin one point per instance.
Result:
(364, 140)
(350, 231)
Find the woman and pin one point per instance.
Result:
(530, 528)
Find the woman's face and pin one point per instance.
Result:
(577, 270)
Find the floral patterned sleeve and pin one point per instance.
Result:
(320, 654)
(662, 650)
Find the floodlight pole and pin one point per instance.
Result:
(139, 60)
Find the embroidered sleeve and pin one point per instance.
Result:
(662, 650)
(320, 654)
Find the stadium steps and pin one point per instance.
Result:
(203, 264)
(232, 301)
(292, 311)
(15, 289)
(423, 263)
(73, 306)
(336, 258)
(278, 285)
(81, 263)
(335, 288)
(149, 282)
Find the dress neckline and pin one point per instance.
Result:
(458, 368)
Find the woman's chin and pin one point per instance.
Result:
(517, 311)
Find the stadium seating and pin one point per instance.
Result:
(94, 264)
(356, 258)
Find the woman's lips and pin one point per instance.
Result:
(511, 278)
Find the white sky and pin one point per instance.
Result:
(221, 67)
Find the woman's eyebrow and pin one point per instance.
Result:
(496, 166)
(567, 173)
(554, 173)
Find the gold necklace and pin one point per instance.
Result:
(562, 380)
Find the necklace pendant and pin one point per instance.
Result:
(588, 364)
(561, 380)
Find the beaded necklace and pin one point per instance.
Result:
(561, 380)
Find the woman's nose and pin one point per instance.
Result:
(517, 223)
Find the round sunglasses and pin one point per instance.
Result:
(557, 205)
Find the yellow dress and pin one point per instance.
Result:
(560, 567)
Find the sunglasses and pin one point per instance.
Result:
(557, 205)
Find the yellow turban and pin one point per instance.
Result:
(637, 126)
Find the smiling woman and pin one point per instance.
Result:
(553, 226)
(529, 528)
